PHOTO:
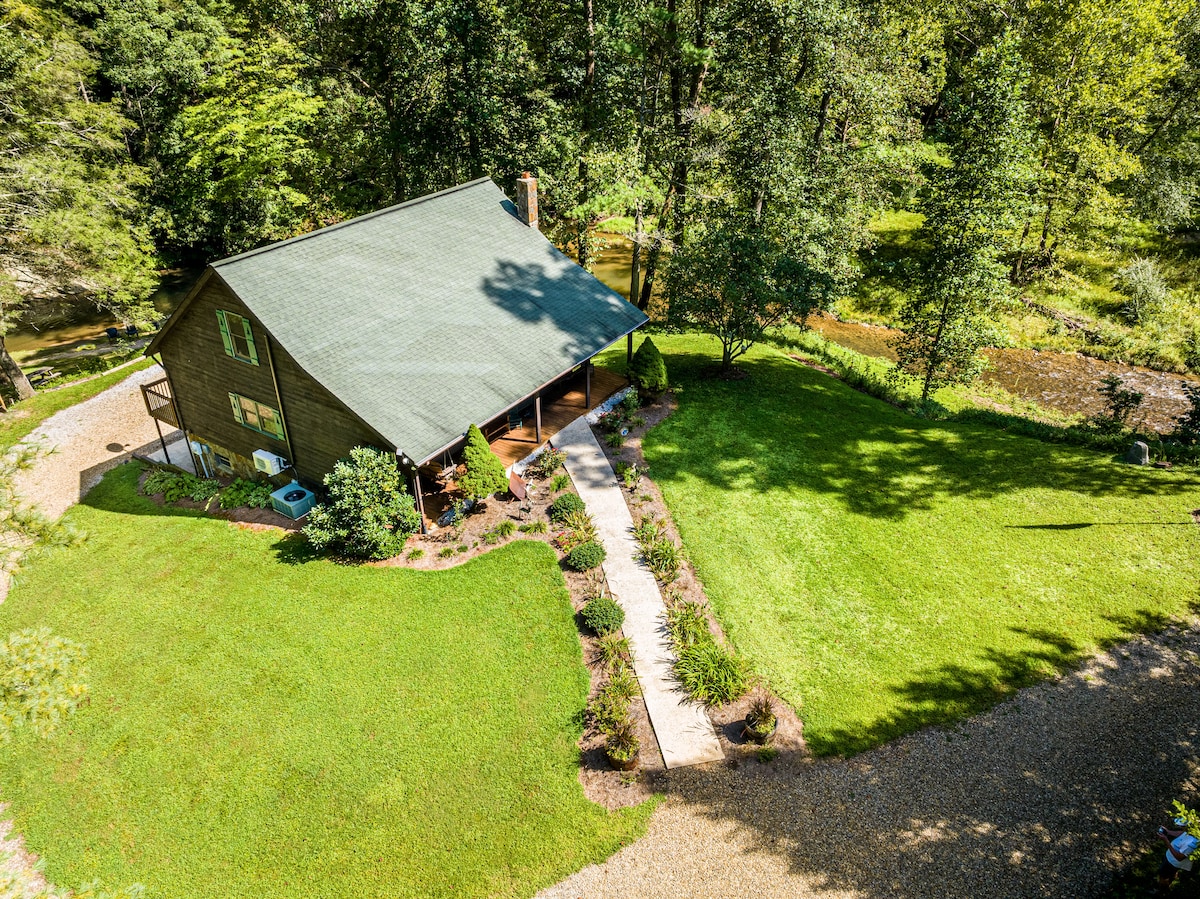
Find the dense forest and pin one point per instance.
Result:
(746, 145)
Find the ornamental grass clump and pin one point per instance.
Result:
(710, 673)
(613, 652)
(603, 615)
(368, 514)
(585, 556)
(761, 719)
(663, 557)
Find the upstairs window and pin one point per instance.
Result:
(237, 337)
(256, 416)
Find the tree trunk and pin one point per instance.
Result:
(635, 275)
(585, 141)
(13, 374)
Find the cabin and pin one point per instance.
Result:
(397, 330)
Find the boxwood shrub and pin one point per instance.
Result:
(564, 506)
(585, 556)
(603, 615)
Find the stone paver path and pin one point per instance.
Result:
(684, 732)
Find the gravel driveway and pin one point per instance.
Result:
(1050, 794)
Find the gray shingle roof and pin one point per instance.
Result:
(428, 316)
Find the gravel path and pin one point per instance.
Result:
(1049, 794)
(86, 440)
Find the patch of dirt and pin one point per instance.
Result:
(646, 499)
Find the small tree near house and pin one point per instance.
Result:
(369, 513)
(648, 371)
(485, 472)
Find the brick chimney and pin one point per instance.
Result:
(527, 200)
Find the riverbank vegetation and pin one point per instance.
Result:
(886, 572)
(168, 133)
(355, 731)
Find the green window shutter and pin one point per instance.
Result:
(225, 333)
(250, 341)
(234, 400)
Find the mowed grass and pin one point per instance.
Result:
(885, 572)
(266, 725)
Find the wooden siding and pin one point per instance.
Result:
(321, 428)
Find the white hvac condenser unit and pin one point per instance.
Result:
(269, 463)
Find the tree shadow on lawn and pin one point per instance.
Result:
(1052, 793)
(787, 426)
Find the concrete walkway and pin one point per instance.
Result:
(684, 732)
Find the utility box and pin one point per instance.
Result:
(269, 463)
(293, 501)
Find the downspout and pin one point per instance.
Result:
(287, 437)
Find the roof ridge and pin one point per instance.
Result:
(361, 218)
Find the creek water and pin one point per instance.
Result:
(1064, 382)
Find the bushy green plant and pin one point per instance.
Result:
(506, 528)
(202, 490)
(368, 514)
(414, 554)
(559, 482)
(710, 673)
(564, 505)
(445, 552)
(648, 371)
(485, 472)
(252, 494)
(533, 527)
(616, 439)
(491, 538)
(609, 709)
(630, 403)
(613, 652)
(585, 556)
(1145, 289)
(629, 474)
(43, 680)
(663, 557)
(158, 480)
(687, 624)
(622, 744)
(546, 463)
(603, 615)
(1121, 402)
(760, 718)
(648, 530)
(578, 528)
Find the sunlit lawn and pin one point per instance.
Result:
(262, 725)
(886, 572)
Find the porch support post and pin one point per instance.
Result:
(537, 418)
(587, 384)
(163, 443)
(629, 349)
(416, 485)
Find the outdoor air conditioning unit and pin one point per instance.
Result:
(269, 463)
(293, 500)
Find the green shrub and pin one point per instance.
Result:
(760, 717)
(485, 472)
(1187, 425)
(158, 480)
(546, 463)
(42, 681)
(415, 554)
(609, 709)
(506, 528)
(252, 494)
(616, 439)
(559, 482)
(710, 673)
(203, 490)
(533, 527)
(629, 403)
(445, 552)
(368, 514)
(648, 530)
(564, 506)
(648, 371)
(622, 744)
(578, 528)
(463, 548)
(603, 615)
(663, 558)
(629, 474)
(491, 538)
(585, 556)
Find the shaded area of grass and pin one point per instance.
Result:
(887, 572)
(261, 720)
(21, 418)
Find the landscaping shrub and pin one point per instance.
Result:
(533, 527)
(506, 528)
(629, 403)
(415, 554)
(760, 717)
(613, 652)
(158, 480)
(648, 530)
(559, 482)
(578, 528)
(585, 556)
(368, 514)
(252, 494)
(1187, 425)
(546, 463)
(710, 673)
(445, 552)
(42, 681)
(609, 709)
(603, 615)
(1121, 402)
(623, 743)
(629, 474)
(663, 557)
(176, 485)
(687, 625)
(616, 439)
(485, 472)
(648, 371)
(564, 506)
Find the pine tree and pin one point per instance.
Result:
(485, 472)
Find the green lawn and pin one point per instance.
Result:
(21, 418)
(263, 724)
(886, 572)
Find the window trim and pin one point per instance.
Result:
(239, 415)
(227, 335)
